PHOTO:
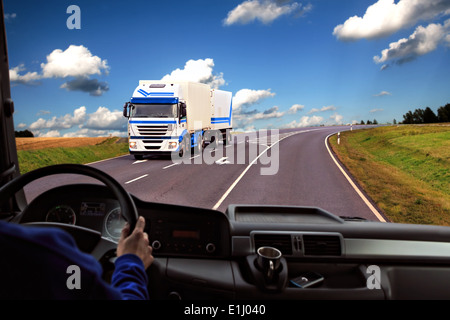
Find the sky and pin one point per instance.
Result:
(289, 64)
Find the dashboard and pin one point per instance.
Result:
(173, 230)
(206, 254)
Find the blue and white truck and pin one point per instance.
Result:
(176, 117)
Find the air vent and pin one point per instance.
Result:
(322, 245)
(280, 241)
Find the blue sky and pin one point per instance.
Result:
(288, 63)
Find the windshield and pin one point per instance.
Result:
(341, 105)
(139, 110)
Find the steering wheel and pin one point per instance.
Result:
(128, 208)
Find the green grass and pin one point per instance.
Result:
(33, 159)
(404, 169)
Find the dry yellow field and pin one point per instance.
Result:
(42, 143)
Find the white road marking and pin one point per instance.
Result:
(136, 179)
(366, 201)
(222, 161)
(174, 164)
(225, 195)
(125, 155)
(139, 161)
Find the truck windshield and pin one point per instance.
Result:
(140, 110)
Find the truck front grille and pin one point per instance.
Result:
(152, 130)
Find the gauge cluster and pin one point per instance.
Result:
(104, 217)
(93, 208)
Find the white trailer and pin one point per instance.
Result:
(174, 117)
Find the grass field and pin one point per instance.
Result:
(405, 170)
(34, 154)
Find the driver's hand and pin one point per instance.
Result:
(136, 243)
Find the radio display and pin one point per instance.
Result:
(186, 234)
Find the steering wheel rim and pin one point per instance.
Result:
(127, 206)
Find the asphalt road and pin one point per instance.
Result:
(293, 167)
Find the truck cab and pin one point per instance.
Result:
(156, 119)
(173, 118)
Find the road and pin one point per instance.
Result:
(293, 167)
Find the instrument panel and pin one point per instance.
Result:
(173, 230)
(91, 206)
(103, 216)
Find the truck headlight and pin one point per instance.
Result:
(173, 145)
(133, 145)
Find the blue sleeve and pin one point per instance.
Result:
(34, 264)
(130, 278)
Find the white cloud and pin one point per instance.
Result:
(246, 120)
(247, 97)
(305, 121)
(376, 110)
(64, 122)
(267, 114)
(382, 93)
(197, 71)
(49, 134)
(336, 118)
(27, 78)
(102, 122)
(243, 99)
(295, 108)
(386, 17)
(10, 16)
(75, 61)
(323, 109)
(103, 118)
(265, 11)
(21, 125)
(327, 108)
(422, 41)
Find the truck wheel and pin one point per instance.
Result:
(182, 151)
(185, 146)
(138, 156)
(227, 139)
(215, 137)
(198, 149)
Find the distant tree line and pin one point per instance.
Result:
(369, 122)
(427, 115)
(24, 134)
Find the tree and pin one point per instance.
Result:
(429, 116)
(369, 122)
(362, 122)
(418, 116)
(443, 113)
(375, 121)
(395, 121)
(408, 118)
(24, 134)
